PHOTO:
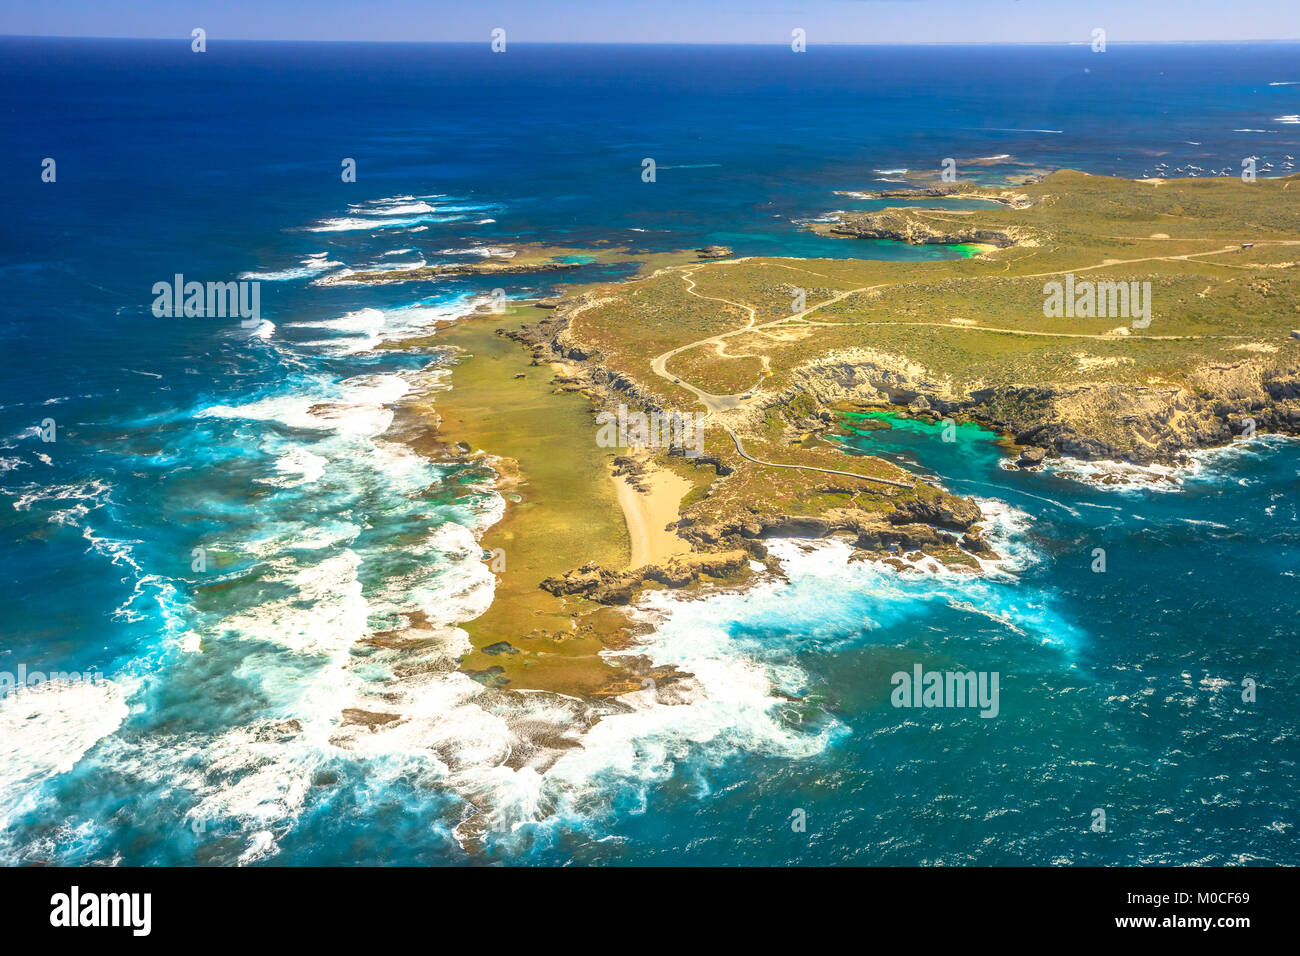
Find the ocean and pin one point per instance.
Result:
(220, 518)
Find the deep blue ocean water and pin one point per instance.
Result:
(214, 734)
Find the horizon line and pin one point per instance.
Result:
(692, 43)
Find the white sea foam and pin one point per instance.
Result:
(366, 329)
(467, 207)
(1207, 463)
(395, 209)
(327, 585)
(1198, 465)
(324, 613)
(486, 743)
(314, 264)
(501, 252)
(496, 749)
(66, 504)
(1005, 529)
(45, 730)
(420, 317)
(521, 761)
(358, 406)
(296, 467)
(414, 212)
(258, 777)
(367, 321)
(354, 224)
(737, 697)
(1121, 475)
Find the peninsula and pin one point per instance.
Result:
(777, 351)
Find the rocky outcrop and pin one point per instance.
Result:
(714, 252)
(1146, 424)
(605, 586)
(964, 190)
(368, 718)
(488, 267)
(923, 524)
(944, 511)
(975, 542)
(719, 466)
(907, 226)
(551, 343)
(1031, 457)
(853, 377)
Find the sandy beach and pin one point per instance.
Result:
(648, 514)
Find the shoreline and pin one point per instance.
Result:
(650, 503)
(504, 412)
(728, 507)
(1117, 475)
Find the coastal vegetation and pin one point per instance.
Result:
(970, 336)
(777, 350)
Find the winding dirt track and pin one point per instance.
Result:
(721, 403)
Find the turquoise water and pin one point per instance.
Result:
(809, 245)
(228, 526)
(1120, 690)
(928, 202)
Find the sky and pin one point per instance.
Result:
(662, 21)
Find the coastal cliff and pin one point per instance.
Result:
(911, 227)
(1140, 424)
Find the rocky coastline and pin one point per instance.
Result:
(933, 523)
(1139, 425)
(1096, 422)
(443, 270)
(1063, 405)
(905, 225)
